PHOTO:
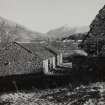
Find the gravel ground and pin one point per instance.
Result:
(92, 94)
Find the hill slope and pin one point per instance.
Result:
(10, 31)
(66, 31)
(96, 33)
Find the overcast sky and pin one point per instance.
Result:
(42, 15)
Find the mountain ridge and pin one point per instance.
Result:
(16, 31)
(65, 31)
(20, 33)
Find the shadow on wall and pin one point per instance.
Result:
(29, 82)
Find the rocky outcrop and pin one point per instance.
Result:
(95, 39)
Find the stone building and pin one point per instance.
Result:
(47, 57)
(16, 60)
(25, 58)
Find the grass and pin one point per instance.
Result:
(54, 91)
(91, 94)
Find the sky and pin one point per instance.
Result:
(43, 15)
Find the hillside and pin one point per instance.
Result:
(96, 34)
(66, 31)
(10, 31)
(76, 36)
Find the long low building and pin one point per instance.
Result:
(28, 58)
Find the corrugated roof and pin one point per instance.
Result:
(37, 49)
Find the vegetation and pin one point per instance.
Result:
(76, 37)
(95, 39)
(91, 94)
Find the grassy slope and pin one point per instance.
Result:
(92, 94)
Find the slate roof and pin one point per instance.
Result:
(37, 49)
(52, 49)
